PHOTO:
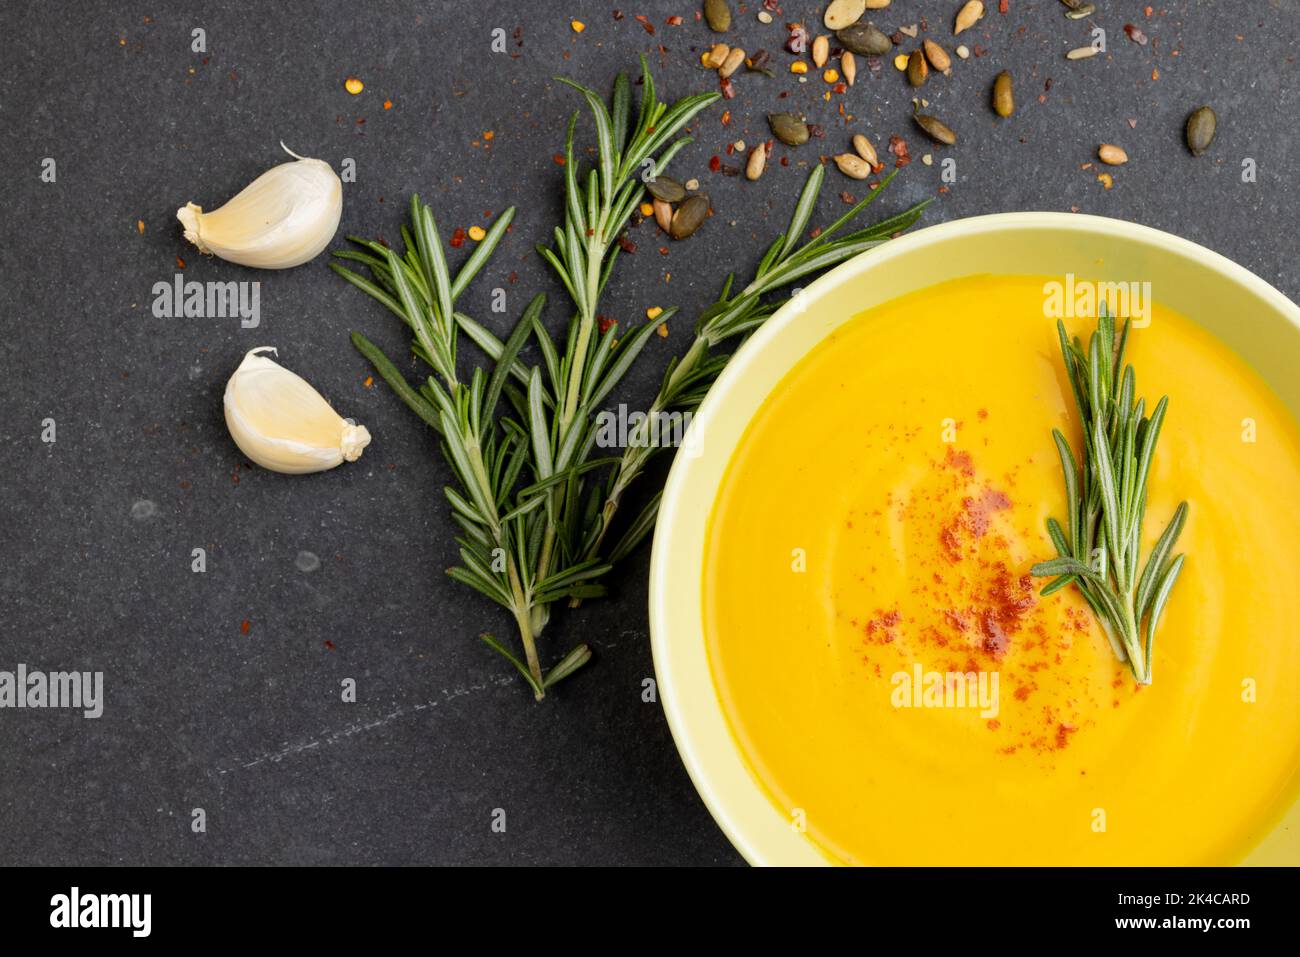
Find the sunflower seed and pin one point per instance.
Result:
(968, 16)
(716, 56)
(865, 149)
(937, 56)
(842, 13)
(732, 63)
(821, 51)
(663, 215)
(849, 67)
(757, 162)
(854, 167)
(1081, 53)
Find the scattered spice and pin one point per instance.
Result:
(353, 85)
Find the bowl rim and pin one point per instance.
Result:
(664, 543)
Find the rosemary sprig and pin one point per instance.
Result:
(1106, 499)
(519, 475)
(688, 380)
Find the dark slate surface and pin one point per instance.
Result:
(250, 727)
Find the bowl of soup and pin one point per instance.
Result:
(855, 661)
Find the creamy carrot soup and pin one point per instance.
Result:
(868, 560)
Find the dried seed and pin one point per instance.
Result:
(757, 162)
(1081, 53)
(877, 4)
(962, 52)
(900, 62)
(865, 149)
(1081, 11)
(1111, 154)
(788, 128)
(865, 39)
(937, 56)
(663, 215)
(716, 56)
(854, 167)
(1201, 127)
(1004, 101)
(849, 67)
(917, 71)
(667, 189)
(692, 185)
(842, 13)
(821, 51)
(759, 61)
(732, 63)
(968, 16)
(718, 15)
(689, 217)
(935, 129)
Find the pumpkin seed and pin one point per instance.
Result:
(968, 16)
(865, 39)
(937, 56)
(865, 149)
(821, 51)
(788, 128)
(663, 215)
(1004, 101)
(716, 56)
(689, 217)
(757, 162)
(935, 129)
(849, 67)
(842, 13)
(1111, 154)
(917, 71)
(732, 63)
(718, 15)
(667, 189)
(854, 167)
(1201, 127)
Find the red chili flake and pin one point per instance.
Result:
(604, 322)
(980, 51)
(626, 244)
(728, 88)
(558, 159)
(663, 250)
(813, 234)
(839, 88)
(847, 198)
(674, 21)
(726, 117)
(180, 263)
(645, 22)
(244, 626)
(329, 644)
(1002, 5)
(618, 14)
(457, 238)
(772, 6)
(898, 147)
(512, 278)
(785, 161)
(731, 148)
(1135, 34)
(814, 130)
(715, 164)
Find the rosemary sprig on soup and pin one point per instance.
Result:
(1106, 500)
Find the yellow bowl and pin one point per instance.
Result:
(1243, 311)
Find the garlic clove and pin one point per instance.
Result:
(284, 218)
(283, 424)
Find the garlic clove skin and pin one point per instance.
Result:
(284, 218)
(283, 424)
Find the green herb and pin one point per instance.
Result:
(1107, 500)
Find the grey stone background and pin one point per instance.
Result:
(250, 727)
